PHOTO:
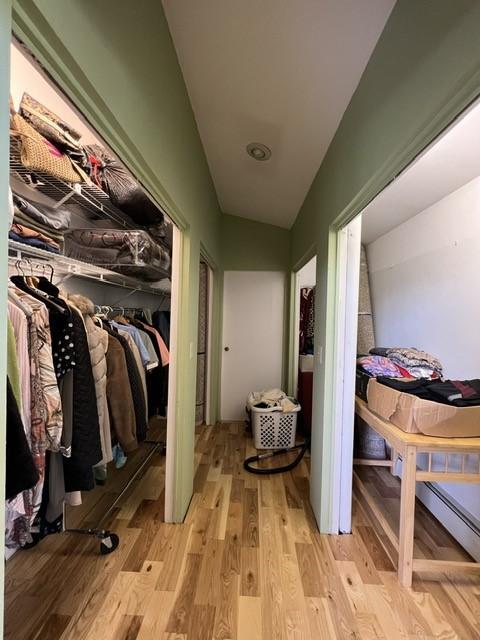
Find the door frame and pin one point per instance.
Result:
(210, 403)
(210, 418)
(349, 240)
(5, 36)
(343, 262)
(172, 436)
(78, 91)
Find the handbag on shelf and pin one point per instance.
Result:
(48, 124)
(39, 154)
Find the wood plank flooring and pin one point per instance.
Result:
(247, 564)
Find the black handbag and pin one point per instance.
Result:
(124, 191)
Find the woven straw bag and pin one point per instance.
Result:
(39, 154)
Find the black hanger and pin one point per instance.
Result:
(20, 283)
(48, 287)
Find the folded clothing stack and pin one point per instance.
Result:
(457, 393)
(38, 225)
(394, 364)
(33, 238)
(380, 366)
(418, 364)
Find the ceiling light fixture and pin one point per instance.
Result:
(258, 151)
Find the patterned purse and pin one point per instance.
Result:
(48, 124)
(39, 154)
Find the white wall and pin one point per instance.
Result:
(307, 276)
(25, 77)
(423, 277)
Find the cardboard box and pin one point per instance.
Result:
(414, 415)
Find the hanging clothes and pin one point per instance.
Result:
(21, 473)
(138, 361)
(307, 320)
(161, 321)
(97, 339)
(46, 426)
(19, 322)
(119, 395)
(86, 445)
(86, 386)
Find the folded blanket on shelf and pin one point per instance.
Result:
(55, 218)
(19, 218)
(33, 242)
(26, 232)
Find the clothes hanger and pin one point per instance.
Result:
(22, 283)
(46, 284)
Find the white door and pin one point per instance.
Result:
(253, 315)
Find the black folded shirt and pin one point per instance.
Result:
(457, 393)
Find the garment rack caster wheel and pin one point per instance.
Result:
(109, 543)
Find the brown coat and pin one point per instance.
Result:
(119, 396)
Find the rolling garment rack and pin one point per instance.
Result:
(96, 204)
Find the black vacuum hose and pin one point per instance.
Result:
(247, 465)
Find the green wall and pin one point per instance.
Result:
(424, 70)
(116, 60)
(254, 246)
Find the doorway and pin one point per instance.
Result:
(421, 234)
(204, 344)
(253, 334)
(136, 289)
(304, 342)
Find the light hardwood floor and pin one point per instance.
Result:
(247, 564)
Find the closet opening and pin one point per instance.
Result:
(410, 389)
(205, 308)
(305, 280)
(92, 310)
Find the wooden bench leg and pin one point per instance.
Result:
(393, 458)
(407, 517)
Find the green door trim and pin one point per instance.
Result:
(30, 27)
(462, 96)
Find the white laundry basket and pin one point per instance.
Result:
(272, 428)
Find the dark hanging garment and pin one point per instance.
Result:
(21, 473)
(139, 400)
(157, 379)
(307, 320)
(86, 445)
(119, 394)
(161, 322)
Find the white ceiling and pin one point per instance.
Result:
(447, 165)
(279, 72)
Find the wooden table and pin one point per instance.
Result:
(407, 446)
